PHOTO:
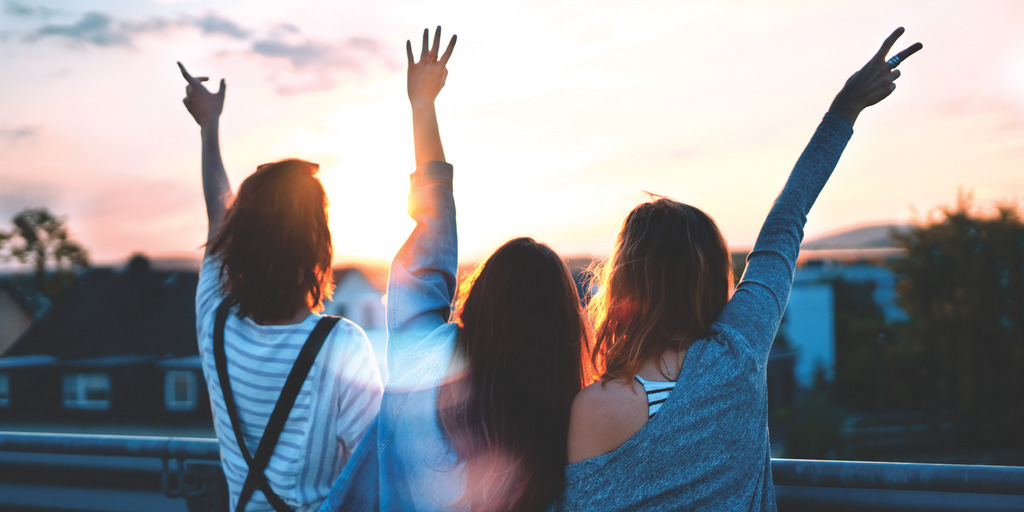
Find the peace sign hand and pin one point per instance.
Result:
(873, 82)
(204, 106)
(426, 77)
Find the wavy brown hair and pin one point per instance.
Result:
(275, 245)
(524, 335)
(667, 279)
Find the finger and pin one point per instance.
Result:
(887, 45)
(894, 75)
(223, 88)
(437, 41)
(185, 74)
(912, 49)
(408, 51)
(202, 78)
(448, 51)
(423, 51)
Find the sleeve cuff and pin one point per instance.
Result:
(837, 122)
(432, 172)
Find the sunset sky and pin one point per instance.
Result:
(557, 115)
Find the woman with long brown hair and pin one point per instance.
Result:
(476, 409)
(679, 418)
(292, 392)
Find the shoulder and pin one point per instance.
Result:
(605, 415)
(353, 357)
(208, 289)
(348, 338)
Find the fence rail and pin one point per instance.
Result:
(88, 472)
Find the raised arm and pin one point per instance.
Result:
(421, 284)
(206, 108)
(756, 308)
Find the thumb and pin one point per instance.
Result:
(223, 88)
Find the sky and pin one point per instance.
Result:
(559, 116)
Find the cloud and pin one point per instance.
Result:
(211, 23)
(20, 10)
(301, 55)
(93, 27)
(101, 29)
(305, 53)
(19, 134)
(316, 63)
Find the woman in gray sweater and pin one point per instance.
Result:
(679, 418)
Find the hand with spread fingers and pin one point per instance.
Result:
(426, 77)
(204, 106)
(873, 82)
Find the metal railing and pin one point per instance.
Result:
(890, 486)
(42, 473)
(110, 473)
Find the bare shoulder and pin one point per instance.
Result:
(605, 415)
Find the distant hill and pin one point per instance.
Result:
(864, 237)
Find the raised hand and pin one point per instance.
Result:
(426, 77)
(873, 82)
(204, 106)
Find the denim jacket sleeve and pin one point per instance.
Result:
(756, 309)
(421, 284)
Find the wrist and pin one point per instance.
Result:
(422, 105)
(844, 111)
(210, 127)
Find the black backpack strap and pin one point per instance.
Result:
(258, 463)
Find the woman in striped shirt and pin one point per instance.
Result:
(268, 265)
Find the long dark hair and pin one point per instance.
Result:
(667, 279)
(523, 335)
(275, 245)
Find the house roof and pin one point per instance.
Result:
(134, 311)
(28, 302)
(376, 275)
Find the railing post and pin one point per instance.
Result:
(207, 488)
(201, 483)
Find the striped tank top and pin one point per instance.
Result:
(657, 392)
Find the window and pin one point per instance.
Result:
(87, 391)
(5, 390)
(180, 390)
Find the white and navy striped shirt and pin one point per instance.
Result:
(336, 404)
(657, 392)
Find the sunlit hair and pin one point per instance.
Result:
(523, 335)
(666, 280)
(274, 243)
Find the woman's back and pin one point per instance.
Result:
(332, 411)
(696, 450)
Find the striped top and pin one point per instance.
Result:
(657, 392)
(337, 401)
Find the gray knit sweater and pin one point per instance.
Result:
(708, 449)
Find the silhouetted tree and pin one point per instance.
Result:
(864, 343)
(41, 240)
(962, 282)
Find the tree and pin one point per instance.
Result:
(863, 339)
(962, 283)
(40, 239)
